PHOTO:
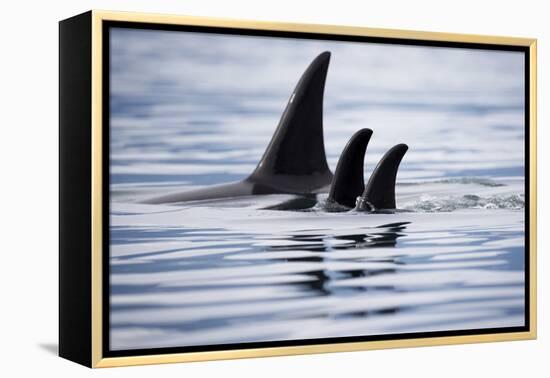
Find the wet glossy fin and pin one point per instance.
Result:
(348, 182)
(295, 160)
(297, 148)
(380, 190)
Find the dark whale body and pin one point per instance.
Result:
(348, 188)
(295, 160)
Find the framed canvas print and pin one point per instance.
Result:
(234, 189)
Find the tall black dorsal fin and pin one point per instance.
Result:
(380, 190)
(349, 182)
(297, 148)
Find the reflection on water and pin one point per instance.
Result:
(345, 275)
(282, 267)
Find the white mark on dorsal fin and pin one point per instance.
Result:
(292, 98)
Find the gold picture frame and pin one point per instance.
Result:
(90, 329)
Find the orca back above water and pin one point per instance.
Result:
(294, 161)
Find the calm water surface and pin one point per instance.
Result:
(189, 110)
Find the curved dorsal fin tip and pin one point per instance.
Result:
(401, 146)
(324, 55)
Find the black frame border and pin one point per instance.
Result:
(106, 27)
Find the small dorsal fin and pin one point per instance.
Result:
(348, 182)
(380, 190)
(297, 147)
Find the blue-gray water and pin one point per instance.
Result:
(189, 110)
